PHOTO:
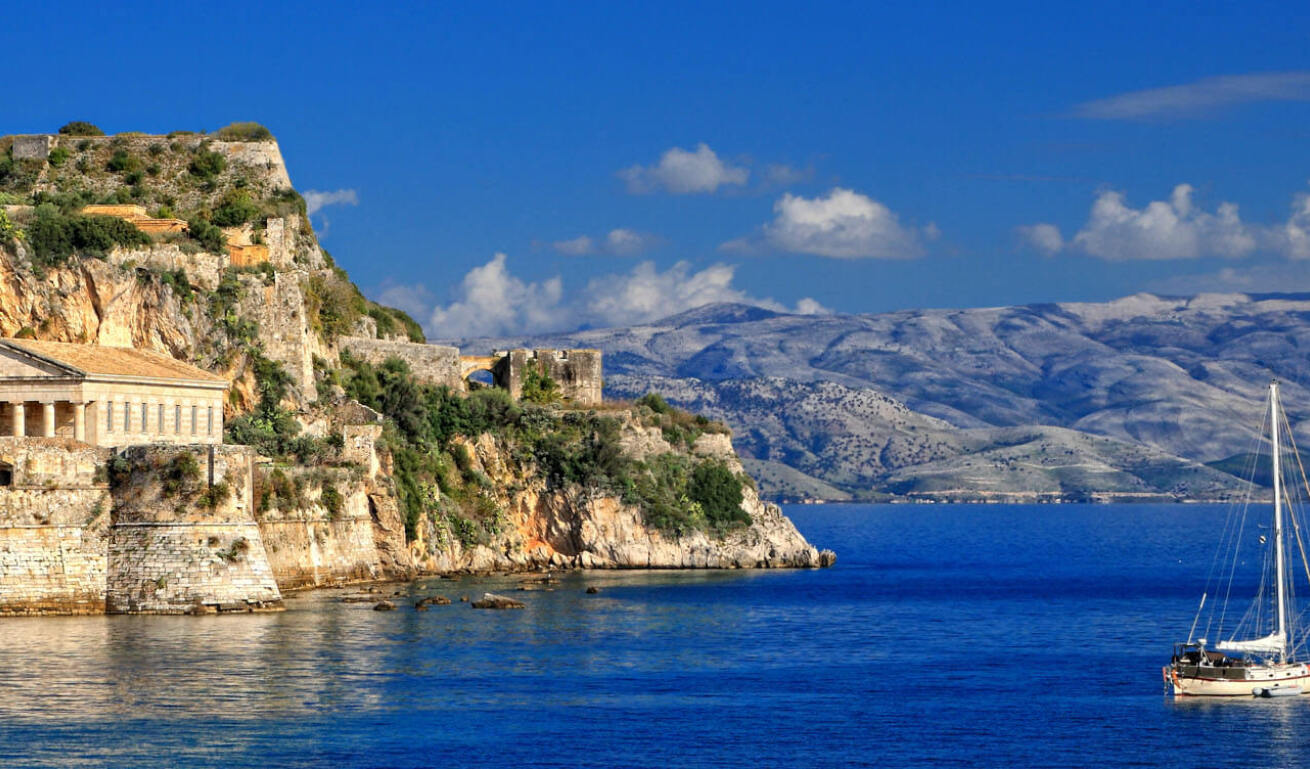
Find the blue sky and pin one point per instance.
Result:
(500, 168)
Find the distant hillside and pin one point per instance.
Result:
(1131, 396)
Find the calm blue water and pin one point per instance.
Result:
(994, 635)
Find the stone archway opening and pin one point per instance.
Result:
(479, 379)
(6, 474)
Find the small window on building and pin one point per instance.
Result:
(6, 474)
(127, 417)
(159, 423)
(177, 419)
(194, 410)
(209, 421)
(109, 416)
(145, 417)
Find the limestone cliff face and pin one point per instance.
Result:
(337, 520)
(574, 527)
(92, 301)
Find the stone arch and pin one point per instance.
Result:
(473, 365)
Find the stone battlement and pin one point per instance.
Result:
(577, 372)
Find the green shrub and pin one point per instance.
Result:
(210, 237)
(243, 132)
(180, 474)
(122, 162)
(54, 237)
(332, 502)
(207, 164)
(235, 209)
(334, 304)
(80, 128)
(655, 402)
(9, 231)
(58, 156)
(214, 496)
(537, 386)
(718, 492)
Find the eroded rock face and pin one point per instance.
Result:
(575, 528)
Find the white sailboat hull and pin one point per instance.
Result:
(1262, 677)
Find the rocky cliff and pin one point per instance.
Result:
(342, 492)
(547, 526)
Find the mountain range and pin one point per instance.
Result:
(1143, 397)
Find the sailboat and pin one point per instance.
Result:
(1259, 654)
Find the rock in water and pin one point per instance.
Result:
(384, 606)
(593, 590)
(493, 601)
(432, 600)
(827, 558)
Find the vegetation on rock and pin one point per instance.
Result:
(80, 128)
(677, 492)
(243, 132)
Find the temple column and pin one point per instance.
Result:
(48, 419)
(79, 422)
(20, 416)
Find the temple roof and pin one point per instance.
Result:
(119, 362)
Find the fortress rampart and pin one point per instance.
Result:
(577, 372)
(158, 540)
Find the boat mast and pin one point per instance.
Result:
(1278, 521)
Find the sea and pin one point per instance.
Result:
(946, 635)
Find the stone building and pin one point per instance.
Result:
(137, 217)
(578, 373)
(106, 396)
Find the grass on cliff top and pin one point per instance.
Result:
(677, 492)
(178, 176)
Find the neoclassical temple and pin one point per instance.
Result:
(106, 396)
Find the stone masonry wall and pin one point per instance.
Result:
(577, 372)
(53, 523)
(33, 147)
(436, 364)
(53, 527)
(52, 569)
(172, 550)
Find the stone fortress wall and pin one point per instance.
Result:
(577, 372)
(54, 526)
(171, 551)
(71, 545)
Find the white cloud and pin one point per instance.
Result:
(1199, 97)
(492, 302)
(618, 242)
(1043, 237)
(1293, 237)
(316, 200)
(625, 242)
(578, 246)
(808, 306)
(684, 172)
(1162, 229)
(844, 225)
(1176, 229)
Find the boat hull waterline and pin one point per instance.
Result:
(1198, 686)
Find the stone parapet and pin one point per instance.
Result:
(33, 147)
(179, 568)
(431, 363)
